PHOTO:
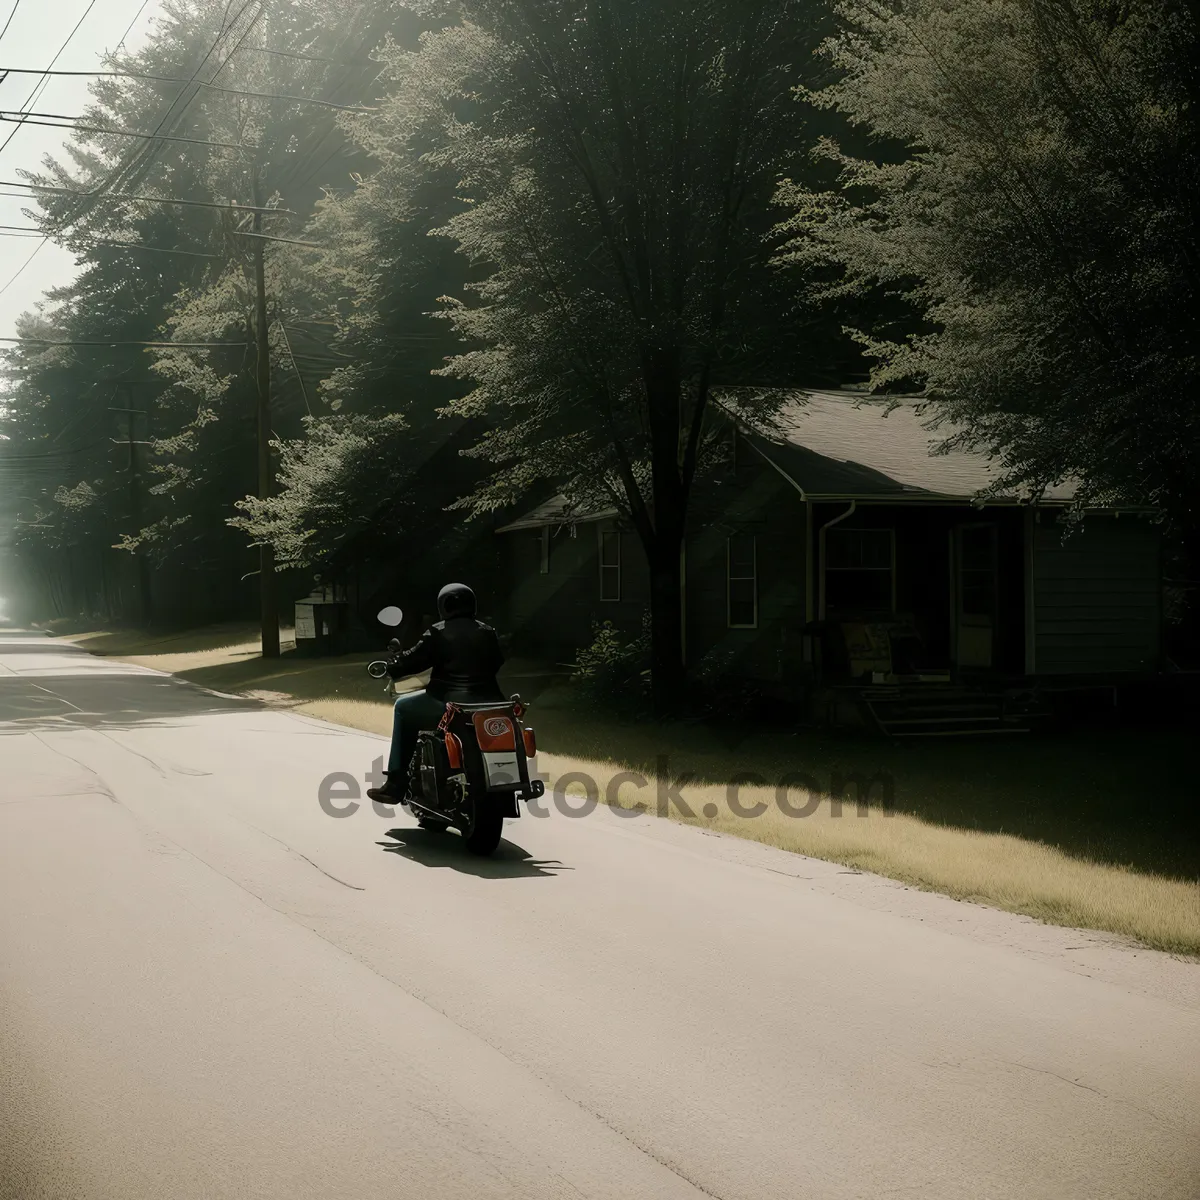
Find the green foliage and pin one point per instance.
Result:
(613, 671)
(343, 477)
(602, 239)
(720, 692)
(1041, 214)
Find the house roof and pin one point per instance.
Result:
(841, 444)
(845, 445)
(555, 511)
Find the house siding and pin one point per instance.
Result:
(753, 499)
(1097, 600)
(553, 614)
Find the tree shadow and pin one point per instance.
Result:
(10, 645)
(150, 642)
(47, 703)
(1122, 796)
(445, 850)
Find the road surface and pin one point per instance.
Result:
(211, 988)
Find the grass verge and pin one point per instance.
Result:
(1097, 831)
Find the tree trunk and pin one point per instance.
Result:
(666, 632)
(661, 368)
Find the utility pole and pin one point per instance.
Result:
(135, 512)
(268, 589)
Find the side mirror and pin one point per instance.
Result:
(391, 617)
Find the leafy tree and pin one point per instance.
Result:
(1042, 216)
(154, 271)
(616, 165)
(352, 486)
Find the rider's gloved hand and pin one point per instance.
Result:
(394, 645)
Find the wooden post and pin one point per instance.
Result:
(145, 604)
(268, 589)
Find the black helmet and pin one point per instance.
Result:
(456, 600)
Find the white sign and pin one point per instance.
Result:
(306, 625)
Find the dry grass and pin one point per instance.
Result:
(1070, 833)
(987, 868)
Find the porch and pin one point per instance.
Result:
(942, 619)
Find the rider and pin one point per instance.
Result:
(462, 655)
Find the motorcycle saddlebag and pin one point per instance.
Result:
(430, 764)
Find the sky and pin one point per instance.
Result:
(36, 34)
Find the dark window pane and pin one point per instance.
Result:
(978, 549)
(741, 555)
(850, 549)
(877, 549)
(610, 583)
(741, 602)
(610, 549)
(858, 591)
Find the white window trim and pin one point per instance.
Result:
(891, 567)
(729, 580)
(603, 566)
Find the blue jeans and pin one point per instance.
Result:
(413, 712)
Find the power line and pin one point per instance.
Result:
(10, 19)
(333, 62)
(267, 237)
(129, 29)
(21, 269)
(42, 187)
(168, 345)
(76, 127)
(188, 82)
(156, 249)
(29, 99)
(144, 154)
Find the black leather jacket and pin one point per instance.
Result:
(463, 656)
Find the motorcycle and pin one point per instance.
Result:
(472, 770)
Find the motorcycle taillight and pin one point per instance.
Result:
(530, 743)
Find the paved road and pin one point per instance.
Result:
(209, 988)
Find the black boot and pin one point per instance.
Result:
(392, 792)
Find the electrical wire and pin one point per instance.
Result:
(102, 342)
(21, 269)
(333, 62)
(175, 79)
(75, 125)
(143, 155)
(70, 36)
(129, 29)
(7, 23)
(41, 187)
(41, 83)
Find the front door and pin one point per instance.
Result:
(975, 595)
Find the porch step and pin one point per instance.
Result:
(945, 712)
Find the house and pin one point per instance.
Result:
(843, 563)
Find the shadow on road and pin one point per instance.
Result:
(46, 703)
(11, 646)
(433, 849)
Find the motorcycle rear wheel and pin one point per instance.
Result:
(486, 828)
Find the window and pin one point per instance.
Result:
(544, 549)
(859, 570)
(741, 572)
(977, 570)
(610, 564)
